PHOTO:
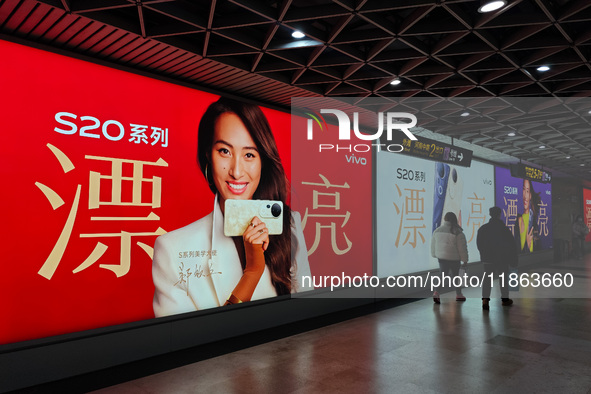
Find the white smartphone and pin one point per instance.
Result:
(239, 213)
(453, 196)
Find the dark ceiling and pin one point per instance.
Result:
(353, 48)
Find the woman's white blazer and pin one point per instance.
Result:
(197, 266)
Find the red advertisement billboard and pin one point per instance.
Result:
(332, 188)
(587, 211)
(98, 163)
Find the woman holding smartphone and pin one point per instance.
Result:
(528, 228)
(238, 157)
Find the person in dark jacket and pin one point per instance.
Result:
(580, 231)
(497, 252)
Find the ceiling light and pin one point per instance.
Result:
(568, 157)
(491, 5)
(511, 134)
(543, 68)
(583, 165)
(298, 34)
(590, 111)
(542, 146)
(396, 82)
(465, 114)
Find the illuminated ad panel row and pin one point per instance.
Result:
(332, 188)
(587, 211)
(110, 208)
(527, 210)
(413, 196)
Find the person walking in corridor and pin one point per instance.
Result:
(498, 251)
(449, 247)
(580, 231)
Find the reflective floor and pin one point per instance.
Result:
(536, 345)
(540, 345)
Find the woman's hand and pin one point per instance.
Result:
(256, 241)
(530, 238)
(256, 234)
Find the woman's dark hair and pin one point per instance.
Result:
(273, 183)
(453, 219)
(535, 199)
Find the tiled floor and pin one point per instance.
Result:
(540, 345)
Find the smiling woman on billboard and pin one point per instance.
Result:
(238, 157)
(527, 235)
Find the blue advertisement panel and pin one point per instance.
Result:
(527, 210)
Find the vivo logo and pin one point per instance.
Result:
(487, 181)
(345, 125)
(358, 160)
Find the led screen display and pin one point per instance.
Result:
(332, 189)
(527, 210)
(587, 211)
(99, 163)
(413, 196)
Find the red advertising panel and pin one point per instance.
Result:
(97, 164)
(587, 212)
(332, 188)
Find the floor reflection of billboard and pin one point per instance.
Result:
(527, 210)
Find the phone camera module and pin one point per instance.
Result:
(440, 170)
(276, 210)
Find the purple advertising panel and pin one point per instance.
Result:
(527, 210)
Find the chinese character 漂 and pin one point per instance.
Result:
(115, 180)
(412, 220)
(510, 213)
